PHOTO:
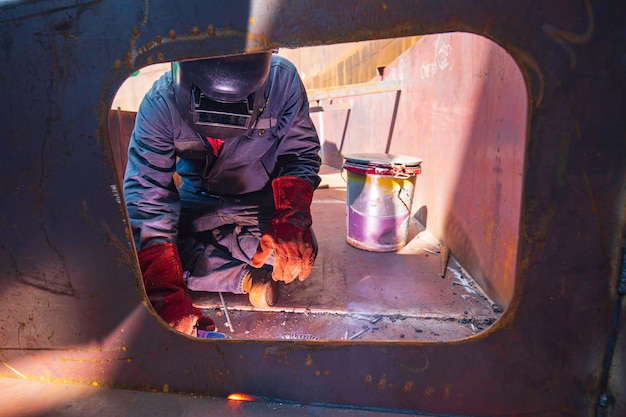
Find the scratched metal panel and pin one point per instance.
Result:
(616, 400)
(72, 308)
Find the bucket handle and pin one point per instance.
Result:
(399, 171)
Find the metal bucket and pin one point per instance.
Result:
(379, 199)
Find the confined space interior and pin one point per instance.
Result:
(363, 295)
(458, 102)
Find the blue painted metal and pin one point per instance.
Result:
(72, 307)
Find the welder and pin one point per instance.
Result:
(222, 164)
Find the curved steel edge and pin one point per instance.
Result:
(72, 308)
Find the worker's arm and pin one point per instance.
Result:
(151, 196)
(289, 237)
(299, 147)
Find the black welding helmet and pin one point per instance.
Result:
(221, 97)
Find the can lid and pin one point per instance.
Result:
(383, 159)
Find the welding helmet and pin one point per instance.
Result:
(221, 97)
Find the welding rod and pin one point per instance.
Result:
(230, 324)
(354, 336)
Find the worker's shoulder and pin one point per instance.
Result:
(282, 62)
(162, 87)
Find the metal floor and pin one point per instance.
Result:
(361, 295)
(23, 398)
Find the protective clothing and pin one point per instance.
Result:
(289, 237)
(225, 202)
(283, 142)
(163, 281)
(221, 97)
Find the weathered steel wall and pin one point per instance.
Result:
(72, 307)
(345, 63)
(462, 109)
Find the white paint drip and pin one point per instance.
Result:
(115, 193)
(463, 282)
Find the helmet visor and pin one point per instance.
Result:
(208, 112)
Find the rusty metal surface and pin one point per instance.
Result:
(22, 398)
(72, 309)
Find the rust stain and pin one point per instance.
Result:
(564, 38)
(382, 382)
(408, 386)
(596, 216)
(195, 34)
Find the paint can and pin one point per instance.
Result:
(379, 198)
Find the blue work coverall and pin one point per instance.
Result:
(218, 213)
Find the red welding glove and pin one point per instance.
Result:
(166, 289)
(289, 236)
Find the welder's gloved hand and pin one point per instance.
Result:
(289, 236)
(163, 279)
